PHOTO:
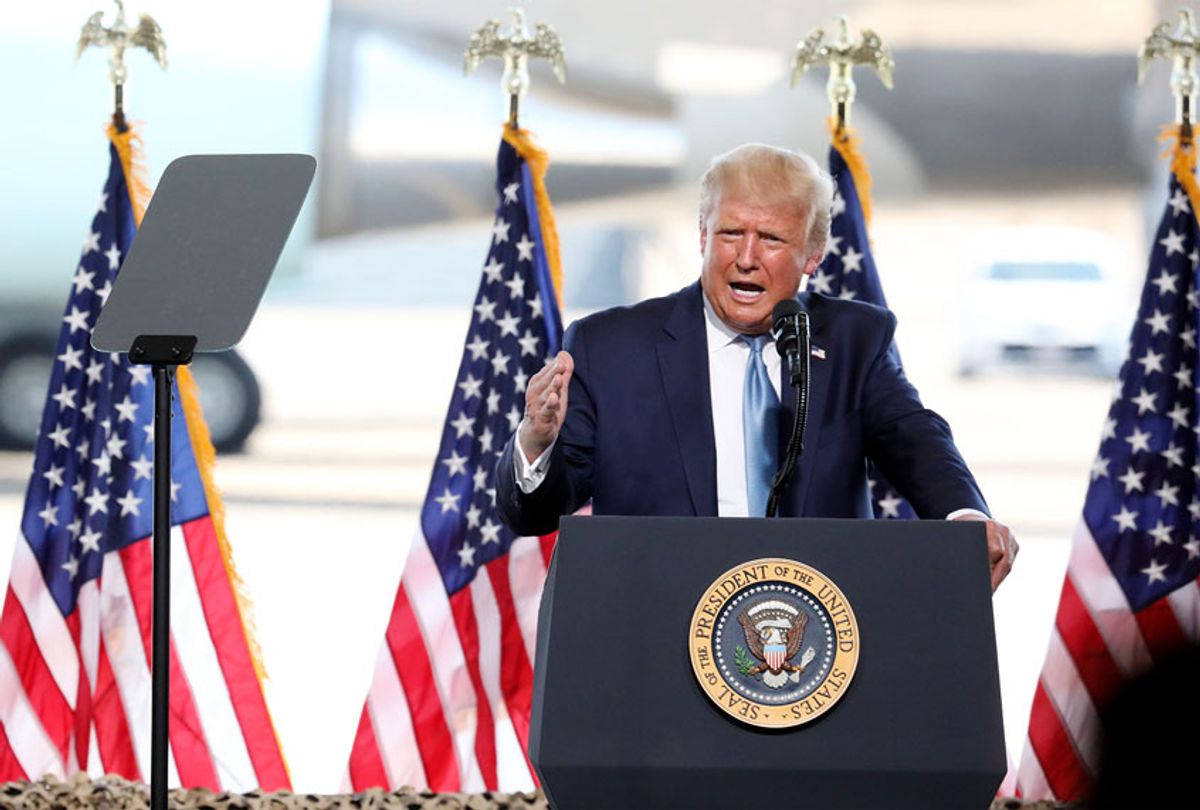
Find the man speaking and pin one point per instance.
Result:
(676, 406)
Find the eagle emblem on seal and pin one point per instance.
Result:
(774, 634)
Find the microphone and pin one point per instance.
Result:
(789, 327)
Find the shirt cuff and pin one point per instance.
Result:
(530, 475)
(957, 513)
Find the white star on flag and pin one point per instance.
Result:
(71, 566)
(54, 475)
(1155, 571)
(83, 280)
(142, 468)
(455, 464)
(890, 505)
(486, 310)
(490, 532)
(1145, 402)
(90, 541)
(463, 425)
(852, 260)
(1178, 202)
(1165, 282)
(126, 410)
(1167, 494)
(529, 344)
(129, 504)
(65, 397)
(516, 286)
(1125, 519)
(97, 502)
(470, 387)
(508, 325)
(1151, 361)
(478, 348)
(448, 501)
(838, 206)
(49, 515)
(71, 358)
(525, 248)
(1132, 480)
(492, 270)
(76, 320)
(466, 555)
(60, 436)
(821, 282)
(1158, 322)
(1173, 242)
(500, 230)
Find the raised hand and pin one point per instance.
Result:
(545, 406)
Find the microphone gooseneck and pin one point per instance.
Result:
(790, 328)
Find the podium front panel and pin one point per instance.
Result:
(621, 721)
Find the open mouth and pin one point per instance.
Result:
(745, 292)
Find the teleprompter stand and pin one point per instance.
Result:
(191, 282)
(620, 721)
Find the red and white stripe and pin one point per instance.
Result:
(1098, 644)
(75, 692)
(449, 704)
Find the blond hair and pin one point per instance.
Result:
(772, 173)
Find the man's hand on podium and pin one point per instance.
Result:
(1002, 548)
(545, 406)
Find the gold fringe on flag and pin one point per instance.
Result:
(129, 148)
(1182, 151)
(539, 161)
(847, 143)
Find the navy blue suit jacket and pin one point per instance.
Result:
(638, 436)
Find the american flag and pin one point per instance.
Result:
(1130, 596)
(75, 629)
(849, 272)
(449, 703)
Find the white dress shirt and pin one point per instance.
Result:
(727, 357)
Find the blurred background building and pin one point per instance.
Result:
(1016, 175)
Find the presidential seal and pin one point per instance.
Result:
(774, 643)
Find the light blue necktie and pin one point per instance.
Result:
(760, 428)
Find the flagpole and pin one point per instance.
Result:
(117, 37)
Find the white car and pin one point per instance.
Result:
(1045, 296)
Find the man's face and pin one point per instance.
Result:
(754, 255)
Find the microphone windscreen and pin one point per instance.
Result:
(786, 308)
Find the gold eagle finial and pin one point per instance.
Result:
(516, 47)
(1182, 47)
(117, 38)
(842, 55)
